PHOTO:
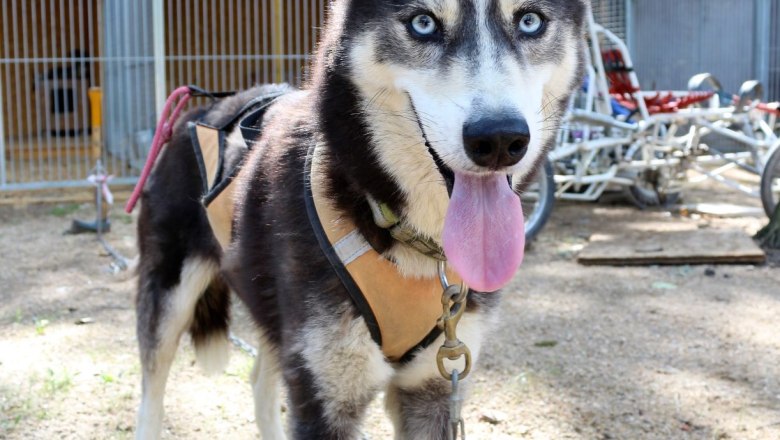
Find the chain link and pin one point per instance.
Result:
(456, 424)
(453, 301)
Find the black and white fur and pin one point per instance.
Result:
(376, 95)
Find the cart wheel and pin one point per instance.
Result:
(538, 199)
(647, 193)
(770, 182)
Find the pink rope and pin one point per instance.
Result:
(162, 135)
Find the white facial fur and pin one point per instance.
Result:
(444, 99)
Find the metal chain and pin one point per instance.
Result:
(453, 302)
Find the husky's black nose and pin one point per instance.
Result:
(496, 142)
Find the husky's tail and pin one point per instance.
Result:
(209, 328)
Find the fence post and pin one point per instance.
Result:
(158, 32)
(761, 37)
(3, 181)
(278, 35)
(628, 9)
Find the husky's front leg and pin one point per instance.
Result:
(333, 373)
(420, 413)
(418, 398)
(265, 381)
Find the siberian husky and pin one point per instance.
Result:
(416, 111)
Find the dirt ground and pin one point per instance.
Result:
(679, 352)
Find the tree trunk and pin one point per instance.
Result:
(769, 236)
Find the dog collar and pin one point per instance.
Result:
(385, 218)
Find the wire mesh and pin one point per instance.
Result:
(52, 52)
(612, 15)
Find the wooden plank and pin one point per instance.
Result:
(672, 247)
(33, 150)
(722, 210)
(74, 195)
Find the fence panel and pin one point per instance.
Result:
(52, 52)
(612, 15)
(773, 87)
(48, 62)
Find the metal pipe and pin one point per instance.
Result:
(158, 32)
(3, 177)
(608, 177)
(717, 171)
(629, 11)
(730, 183)
(733, 135)
(223, 46)
(599, 118)
(81, 183)
(38, 116)
(278, 46)
(761, 38)
(602, 103)
(19, 110)
(592, 194)
(72, 155)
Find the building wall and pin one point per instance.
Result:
(674, 40)
(773, 86)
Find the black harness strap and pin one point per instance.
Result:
(346, 279)
(247, 119)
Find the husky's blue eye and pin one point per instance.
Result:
(424, 25)
(531, 24)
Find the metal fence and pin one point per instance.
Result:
(130, 53)
(126, 55)
(612, 15)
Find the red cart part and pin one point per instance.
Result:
(770, 107)
(622, 90)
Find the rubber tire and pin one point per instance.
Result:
(771, 172)
(643, 198)
(537, 218)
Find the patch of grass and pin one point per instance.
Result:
(523, 383)
(40, 326)
(242, 368)
(107, 378)
(555, 370)
(54, 382)
(546, 344)
(661, 285)
(64, 210)
(124, 218)
(14, 412)
(18, 316)
(16, 406)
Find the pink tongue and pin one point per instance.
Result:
(484, 232)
